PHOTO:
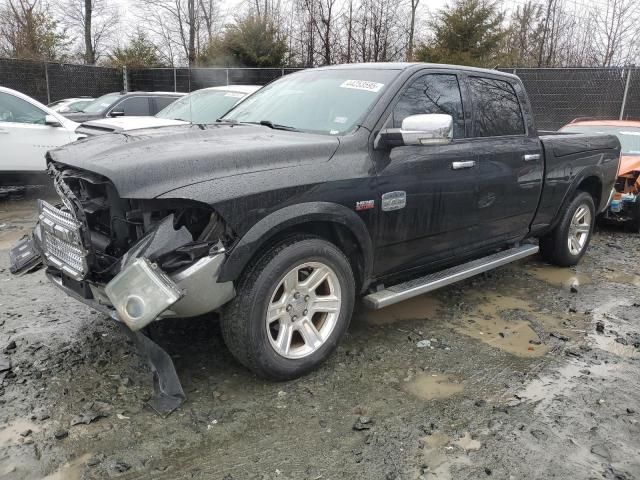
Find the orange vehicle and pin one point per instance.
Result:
(625, 204)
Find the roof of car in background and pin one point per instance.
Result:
(140, 92)
(604, 122)
(234, 88)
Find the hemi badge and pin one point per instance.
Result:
(365, 205)
(394, 200)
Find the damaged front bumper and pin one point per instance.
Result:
(141, 292)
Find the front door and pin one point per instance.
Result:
(426, 193)
(24, 136)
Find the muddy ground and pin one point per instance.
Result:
(526, 372)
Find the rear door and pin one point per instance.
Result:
(509, 155)
(426, 193)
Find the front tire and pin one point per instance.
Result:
(568, 241)
(291, 308)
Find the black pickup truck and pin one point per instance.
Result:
(380, 180)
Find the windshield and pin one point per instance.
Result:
(629, 136)
(100, 104)
(203, 106)
(320, 101)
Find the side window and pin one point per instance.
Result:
(432, 93)
(16, 110)
(164, 101)
(496, 110)
(134, 106)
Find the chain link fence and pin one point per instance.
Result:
(558, 95)
(189, 79)
(48, 82)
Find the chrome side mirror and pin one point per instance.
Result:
(424, 129)
(51, 121)
(427, 129)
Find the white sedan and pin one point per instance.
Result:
(202, 106)
(27, 130)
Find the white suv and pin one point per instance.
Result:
(27, 130)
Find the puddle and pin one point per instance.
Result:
(427, 386)
(467, 443)
(72, 470)
(558, 382)
(439, 456)
(10, 433)
(514, 336)
(436, 440)
(608, 344)
(560, 277)
(418, 308)
(607, 341)
(625, 278)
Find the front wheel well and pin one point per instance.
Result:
(333, 232)
(593, 186)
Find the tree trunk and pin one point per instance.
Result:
(192, 33)
(412, 27)
(89, 53)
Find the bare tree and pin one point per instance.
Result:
(616, 26)
(177, 25)
(96, 20)
(28, 30)
(412, 27)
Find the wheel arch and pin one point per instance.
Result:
(592, 184)
(330, 221)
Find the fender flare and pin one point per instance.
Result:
(585, 173)
(287, 217)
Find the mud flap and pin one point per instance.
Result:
(167, 390)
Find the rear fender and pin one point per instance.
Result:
(587, 172)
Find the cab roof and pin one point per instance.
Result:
(412, 66)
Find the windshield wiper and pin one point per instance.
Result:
(275, 126)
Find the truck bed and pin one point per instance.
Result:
(569, 156)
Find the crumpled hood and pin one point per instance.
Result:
(149, 162)
(629, 163)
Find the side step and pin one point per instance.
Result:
(433, 281)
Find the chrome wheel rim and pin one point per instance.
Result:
(579, 229)
(303, 310)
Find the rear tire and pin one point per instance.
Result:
(281, 326)
(568, 241)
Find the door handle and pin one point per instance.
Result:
(4, 131)
(529, 157)
(461, 165)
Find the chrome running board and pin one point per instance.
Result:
(433, 281)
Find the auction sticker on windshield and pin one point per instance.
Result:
(362, 85)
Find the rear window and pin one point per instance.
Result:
(496, 109)
(164, 101)
(100, 104)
